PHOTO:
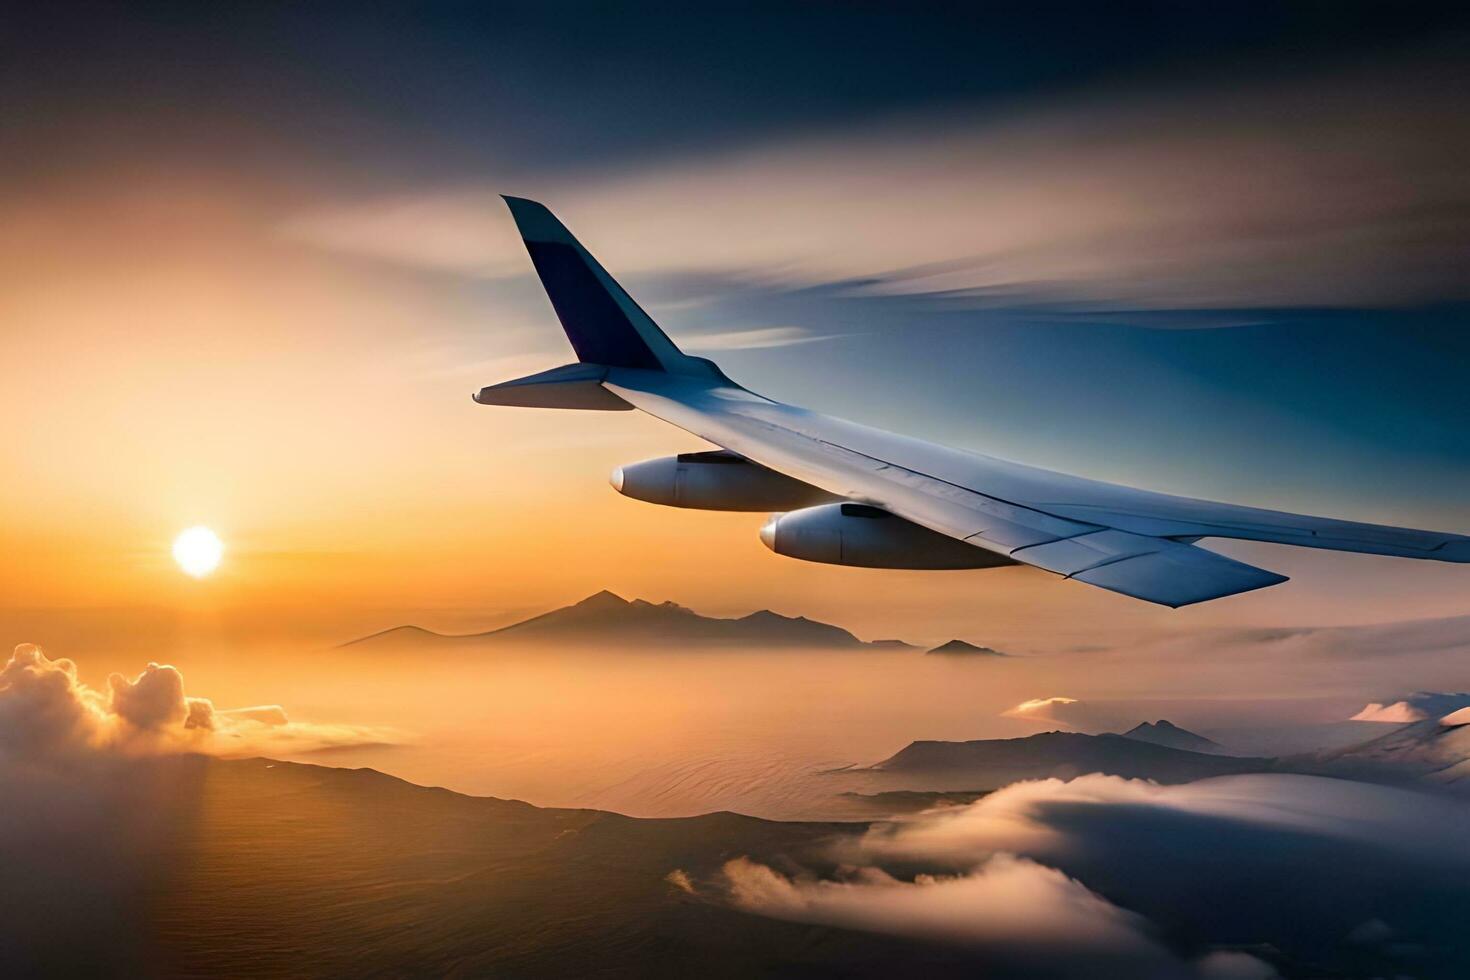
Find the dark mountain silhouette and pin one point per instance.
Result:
(959, 648)
(398, 634)
(272, 869)
(1164, 732)
(608, 619)
(991, 763)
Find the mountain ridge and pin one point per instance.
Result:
(501, 887)
(1429, 752)
(962, 648)
(995, 762)
(607, 618)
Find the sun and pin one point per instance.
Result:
(198, 551)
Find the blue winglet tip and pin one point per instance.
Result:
(535, 221)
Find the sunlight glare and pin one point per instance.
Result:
(198, 551)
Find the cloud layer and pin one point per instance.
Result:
(1157, 880)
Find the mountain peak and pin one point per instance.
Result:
(961, 648)
(603, 600)
(607, 619)
(1166, 733)
(667, 606)
(396, 633)
(767, 616)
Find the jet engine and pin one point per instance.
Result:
(718, 480)
(869, 537)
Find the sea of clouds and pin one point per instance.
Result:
(1237, 877)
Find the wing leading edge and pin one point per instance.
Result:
(804, 446)
(1134, 542)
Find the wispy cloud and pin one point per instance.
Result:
(1337, 187)
(753, 338)
(1069, 713)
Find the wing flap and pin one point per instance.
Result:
(1071, 556)
(1153, 569)
(1179, 576)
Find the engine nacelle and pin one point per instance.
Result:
(869, 537)
(718, 480)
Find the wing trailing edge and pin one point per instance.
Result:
(1154, 569)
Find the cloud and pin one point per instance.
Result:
(1069, 713)
(1015, 908)
(1023, 816)
(99, 787)
(47, 713)
(1398, 713)
(445, 232)
(1394, 639)
(1295, 194)
(753, 338)
(1037, 706)
(43, 708)
(1012, 911)
(1434, 751)
(264, 714)
(1416, 707)
(152, 700)
(1159, 874)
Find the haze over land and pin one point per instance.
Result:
(588, 712)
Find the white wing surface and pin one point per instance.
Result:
(1135, 542)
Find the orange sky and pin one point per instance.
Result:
(181, 357)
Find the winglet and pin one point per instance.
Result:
(536, 223)
(601, 320)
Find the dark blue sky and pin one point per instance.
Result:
(415, 90)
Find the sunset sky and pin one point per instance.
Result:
(251, 270)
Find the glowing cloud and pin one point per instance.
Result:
(1007, 902)
(1416, 707)
(1398, 713)
(1064, 713)
(1036, 705)
(46, 712)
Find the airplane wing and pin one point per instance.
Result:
(1134, 542)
